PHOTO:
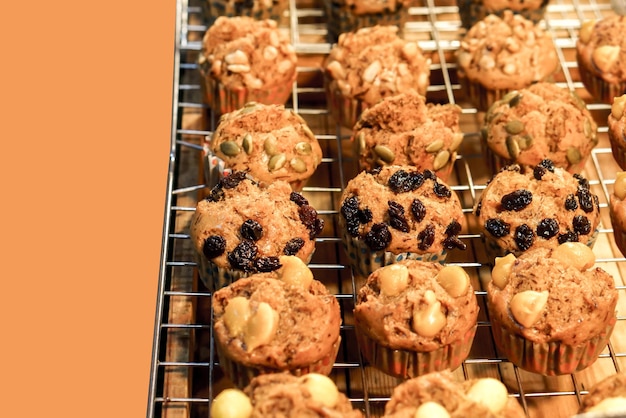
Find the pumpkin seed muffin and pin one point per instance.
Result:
(500, 54)
(268, 141)
(365, 66)
(471, 11)
(601, 57)
(616, 122)
(440, 395)
(242, 228)
(617, 211)
(246, 60)
(541, 121)
(607, 396)
(552, 312)
(405, 130)
(542, 207)
(416, 317)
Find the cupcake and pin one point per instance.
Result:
(500, 54)
(541, 207)
(282, 321)
(242, 228)
(405, 130)
(284, 395)
(601, 57)
(398, 212)
(415, 317)
(257, 9)
(246, 60)
(439, 395)
(268, 141)
(551, 312)
(365, 66)
(617, 211)
(608, 396)
(541, 121)
(471, 11)
(616, 122)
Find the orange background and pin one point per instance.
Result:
(86, 113)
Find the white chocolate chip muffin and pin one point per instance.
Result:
(616, 122)
(498, 55)
(246, 60)
(472, 11)
(368, 65)
(439, 395)
(415, 317)
(257, 9)
(608, 396)
(552, 312)
(617, 211)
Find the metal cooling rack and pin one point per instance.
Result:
(185, 374)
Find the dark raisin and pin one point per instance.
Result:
(585, 200)
(364, 215)
(317, 228)
(441, 190)
(378, 237)
(397, 219)
(538, 172)
(293, 246)
(454, 242)
(298, 199)
(350, 207)
(375, 171)
(267, 264)
(402, 181)
(214, 246)
(233, 179)
(243, 255)
(308, 215)
(569, 236)
(497, 227)
(479, 207)
(453, 228)
(426, 237)
(596, 201)
(547, 228)
(570, 202)
(251, 230)
(216, 194)
(352, 226)
(547, 164)
(429, 174)
(418, 210)
(516, 200)
(582, 182)
(581, 225)
(524, 237)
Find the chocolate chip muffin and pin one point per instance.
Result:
(268, 141)
(398, 212)
(368, 65)
(406, 130)
(617, 211)
(542, 207)
(616, 122)
(415, 317)
(500, 54)
(472, 11)
(552, 312)
(284, 320)
(541, 121)
(438, 394)
(607, 396)
(242, 228)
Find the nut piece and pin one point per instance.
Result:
(605, 56)
(454, 280)
(231, 403)
(612, 404)
(294, 271)
(617, 109)
(619, 188)
(527, 306)
(370, 73)
(501, 270)
(431, 409)
(575, 254)
(261, 326)
(393, 279)
(430, 320)
(336, 70)
(490, 393)
(322, 389)
(236, 315)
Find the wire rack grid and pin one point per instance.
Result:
(185, 374)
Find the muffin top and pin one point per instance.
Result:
(364, 7)
(608, 395)
(552, 294)
(244, 53)
(506, 53)
(517, 5)
(618, 201)
(541, 121)
(268, 141)
(601, 48)
(439, 395)
(540, 207)
(616, 122)
(405, 130)
(401, 209)
(242, 225)
(416, 305)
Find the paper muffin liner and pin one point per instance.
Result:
(596, 86)
(471, 11)
(618, 232)
(212, 9)
(618, 148)
(409, 364)
(550, 358)
(481, 96)
(241, 374)
(345, 110)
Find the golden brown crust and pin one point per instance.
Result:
(611, 386)
(608, 31)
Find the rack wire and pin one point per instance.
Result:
(185, 374)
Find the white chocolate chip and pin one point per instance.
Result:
(236, 315)
(431, 409)
(261, 326)
(429, 320)
(605, 56)
(270, 52)
(617, 108)
(284, 66)
(527, 306)
(619, 188)
(575, 254)
(393, 279)
(231, 403)
(486, 62)
(490, 393)
(454, 280)
(501, 270)
(586, 29)
(294, 271)
(410, 50)
(322, 389)
(612, 404)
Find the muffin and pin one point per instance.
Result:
(242, 228)
(282, 321)
(438, 394)
(541, 121)
(607, 396)
(405, 130)
(601, 57)
(616, 122)
(257, 9)
(617, 211)
(541, 207)
(365, 66)
(398, 212)
(471, 11)
(551, 312)
(415, 317)
(284, 395)
(246, 60)
(500, 54)
(268, 141)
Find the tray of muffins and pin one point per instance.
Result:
(394, 209)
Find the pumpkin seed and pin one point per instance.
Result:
(441, 160)
(573, 155)
(512, 147)
(271, 145)
(360, 138)
(303, 148)
(246, 143)
(515, 99)
(456, 141)
(277, 162)
(309, 132)
(298, 165)
(230, 148)
(524, 141)
(514, 126)
(435, 146)
(577, 100)
(385, 153)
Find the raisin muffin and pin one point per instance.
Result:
(500, 54)
(541, 121)
(244, 60)
(551, 311)
(284, 395)
(439, 395)
(242, 227)
(471, 11)
(268, 141)
(616, 122)
(542, 207)
(415, 317)
(617, 211)
(601, 57)
(405, 130)
(607, 396)
(398, 212)
(257, 9)
(365, 66)
(284, 320)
